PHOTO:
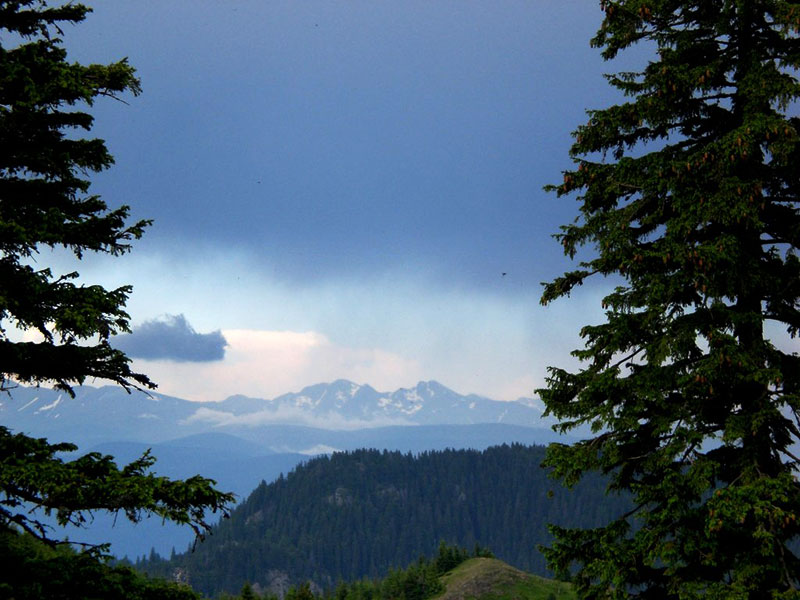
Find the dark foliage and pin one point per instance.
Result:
(358, 514)
(33, 570)
(44, 203)
(35, 479)
(688, 194)
(418, 581)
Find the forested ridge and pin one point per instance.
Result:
(358, 514)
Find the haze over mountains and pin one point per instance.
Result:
(241, 441)
(115, 415)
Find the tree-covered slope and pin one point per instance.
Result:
(359, 513)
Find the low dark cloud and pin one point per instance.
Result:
(349, 154)
(172, 338)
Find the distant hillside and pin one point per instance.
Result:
(357, 514)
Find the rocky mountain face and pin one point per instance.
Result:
(342, 405)
(346, 403)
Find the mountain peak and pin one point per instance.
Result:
(341, 405)
(434, 388)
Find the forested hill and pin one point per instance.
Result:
(356, 514)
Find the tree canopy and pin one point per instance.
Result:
(44, 202)
(33, 570)
(356, 514)
(688, 195)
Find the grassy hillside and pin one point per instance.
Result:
(492, 579)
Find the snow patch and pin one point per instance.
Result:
(318, 449)
(21, 408)
(413, 409)
(301, 401)
(50, 406)
(412, 396)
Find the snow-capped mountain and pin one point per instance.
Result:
(240, 441)
(344, 404)
(95, 415)
(99, 414)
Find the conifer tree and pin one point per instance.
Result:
(44, 203)
(247, 592)
(688, 196)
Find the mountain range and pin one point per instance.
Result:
(241, 441)
(342, 405)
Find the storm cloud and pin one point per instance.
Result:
(172, 338)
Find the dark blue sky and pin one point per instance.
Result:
(360, 171)
(351, 138)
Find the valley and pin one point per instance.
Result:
(322, 505)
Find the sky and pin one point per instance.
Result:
(345, 189)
